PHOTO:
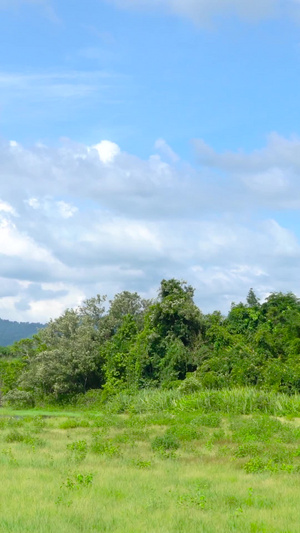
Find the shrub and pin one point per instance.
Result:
(19, 399)
(92, 399)
(15, 436)
(78, 449)
(184, 432)
(104, 447)
(165, 442)
(248, 449)
(210, 420)
(189, 385)
(72, 423)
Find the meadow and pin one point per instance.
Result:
(159, 461)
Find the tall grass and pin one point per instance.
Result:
(231, 401)
(119, 478)
(154, 462)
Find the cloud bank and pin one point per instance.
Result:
(76, 220)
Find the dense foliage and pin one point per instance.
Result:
(136, 344)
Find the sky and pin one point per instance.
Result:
(143, 140)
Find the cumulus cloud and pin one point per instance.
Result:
(278, 151)
(91, 219)
(107, 151)
(7, 208)
(202, 11)
(270, 174)
(166, 150)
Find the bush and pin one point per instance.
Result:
(10, 372)
(189, 385)
(14, 436)
(92, 399)
(210, 420)
(19, 399)
(165, 442)
(105, 447)
(184, 432)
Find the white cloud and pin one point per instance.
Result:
(101, 220)
(270, 174)
(52, 208)
(33, 202)
(166, 150)
(279, 152)
(271, 181)
(14, 243)
(66, 210)
(107, 151)
(7, 208)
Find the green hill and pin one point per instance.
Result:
(14, 331)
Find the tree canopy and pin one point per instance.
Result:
(131, 343)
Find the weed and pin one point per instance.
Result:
(233, 502)
(105, 447)
(78, 449)
(77, 481)
(257, 465)
(165, 443)
(198, 500)
(255, 527)
(73, 482)
(72, 423)
(39, 423)
(10, 456)
(15, 422)
(184, 432)
(14, 436)
(123, 438)
(33, 441)
(3, 423)
(140, 463)
(248, 449)
(255, 429)
(219, 435)
(210, 420)
(196, 496)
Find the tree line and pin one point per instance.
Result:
(135, 343)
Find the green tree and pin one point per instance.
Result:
(252, 300)
(124, 303)
(172, 327)
(119, 362)
(175, 313)
(68, 361)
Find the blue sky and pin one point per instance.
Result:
(141, 140)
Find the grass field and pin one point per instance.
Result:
(154, 463)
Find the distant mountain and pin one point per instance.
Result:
(15, 331)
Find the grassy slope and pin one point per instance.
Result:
(178, 469)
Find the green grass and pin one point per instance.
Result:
(7, 411)
(167, 463)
